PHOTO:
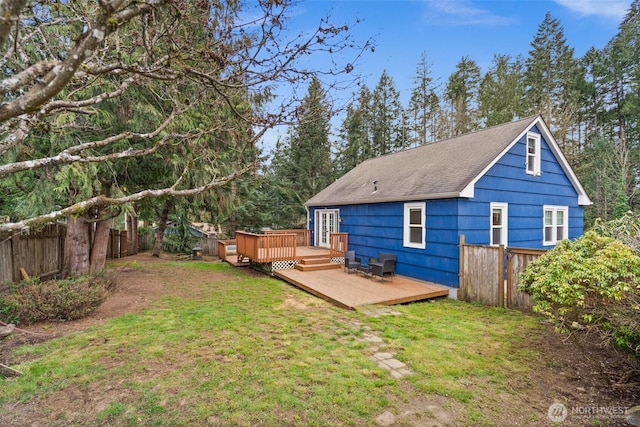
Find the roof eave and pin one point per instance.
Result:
(451, 195)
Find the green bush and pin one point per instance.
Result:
(592, 283)
(32, 300)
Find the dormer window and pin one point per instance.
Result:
(533, 154)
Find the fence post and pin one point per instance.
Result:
(509, 271)
(15, 249)
(461, 289)
(501, 276)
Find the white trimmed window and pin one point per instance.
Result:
(533, 153)
(499, 222)
(414, 225)
(556, 224)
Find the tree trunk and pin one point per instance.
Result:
(76, 247)
(162, 225)
(100, 245)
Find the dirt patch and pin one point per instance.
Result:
(579, 382)
(579, 374)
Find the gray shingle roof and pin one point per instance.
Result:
(439, 170)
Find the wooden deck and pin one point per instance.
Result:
(353, 290)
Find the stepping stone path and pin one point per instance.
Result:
(419, 411)
(384, 359)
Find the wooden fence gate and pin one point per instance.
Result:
(484, 279)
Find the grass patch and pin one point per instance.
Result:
(456, 348)
(237, 355)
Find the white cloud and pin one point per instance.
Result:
(464, 12)
(607, 8)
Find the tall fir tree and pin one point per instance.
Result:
(302, 164)
(501, 92)
(423, 105)
(461, 93)
(611, 109)
(386, 117)
(551, 77)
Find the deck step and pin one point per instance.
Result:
(327, 265)
(312, 261)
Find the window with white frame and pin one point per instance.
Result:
(414, 225)
(533, 153)
(556, 224)
(499, 223)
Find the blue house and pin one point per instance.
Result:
(509, 184)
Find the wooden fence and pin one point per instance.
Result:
(37, 253)
(40, 253)
(210, 245)
(484, 279)
(517, 261)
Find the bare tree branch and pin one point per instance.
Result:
(61, 74)
(102, 200)
(25, 77)
(70, 155)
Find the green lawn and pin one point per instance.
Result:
(251, 350)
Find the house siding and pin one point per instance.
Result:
(373, 228)
(378, 227)
(508, 182)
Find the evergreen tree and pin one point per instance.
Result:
(302, 164)
(551, 76)
(591, 101)
(461, 93)
(611, 94)
(621, 206)
(386, 118)
(599, 173)
(424, 104)
(501, 92)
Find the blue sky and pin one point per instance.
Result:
(448, 30)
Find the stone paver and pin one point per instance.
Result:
(384, 359)
(380, 311)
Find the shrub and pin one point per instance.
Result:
(59, 300)
(591, 284)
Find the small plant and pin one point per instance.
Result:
(32, 300)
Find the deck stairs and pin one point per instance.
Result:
(315, 264)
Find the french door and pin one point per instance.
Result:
(326, 223)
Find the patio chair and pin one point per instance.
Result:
(382, 268)
(380, 259)
(351, 261)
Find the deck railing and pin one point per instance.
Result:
(275, 245)
(303, 236)
(339, 244)
(223, 251)
(263, 248)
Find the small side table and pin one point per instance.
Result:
(364, 269)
